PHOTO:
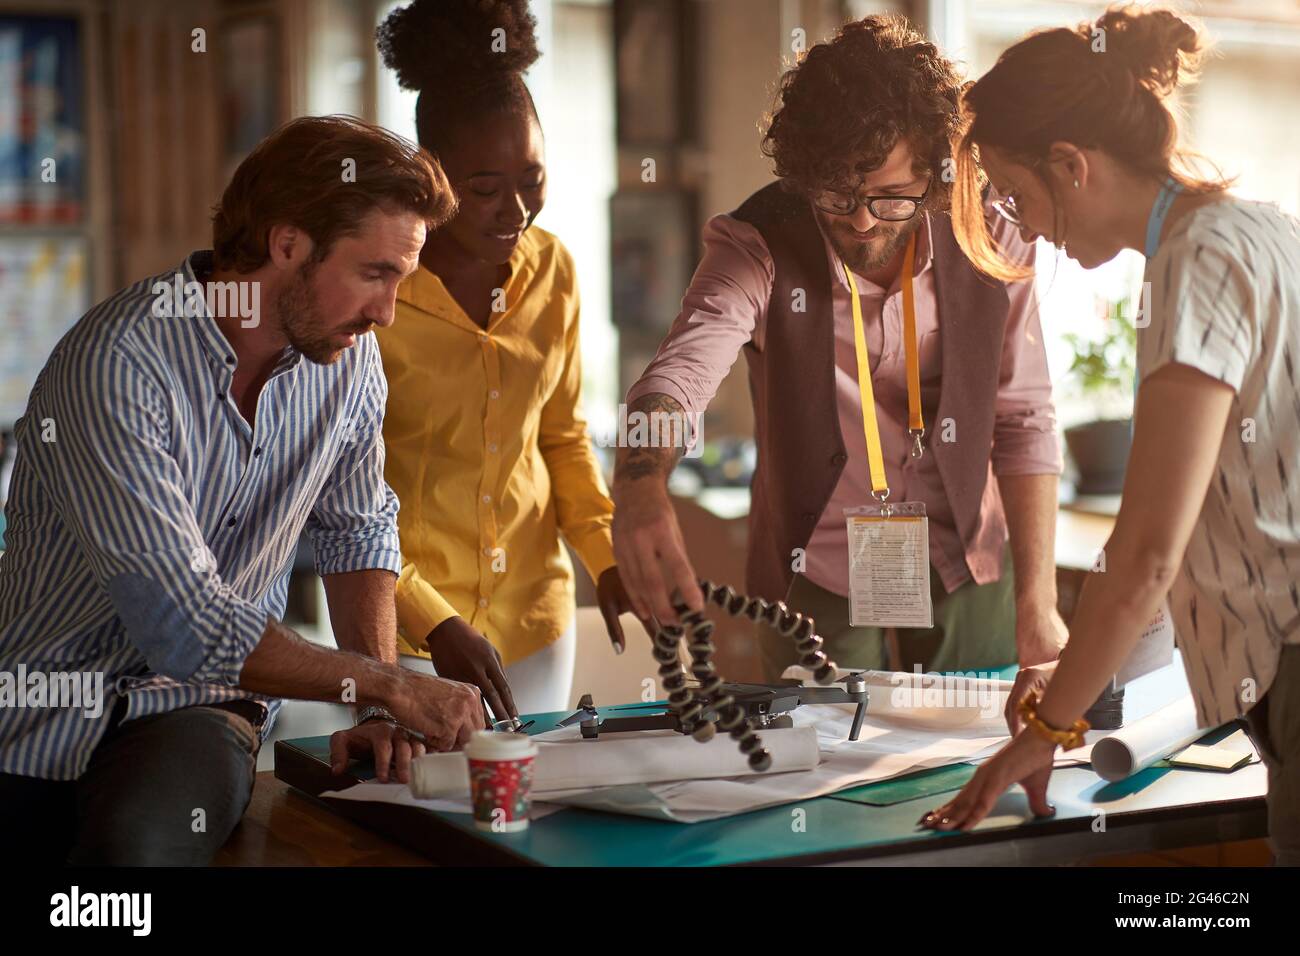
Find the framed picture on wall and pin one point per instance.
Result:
(42, 121)
(652, 60)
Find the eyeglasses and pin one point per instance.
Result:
(887, 208)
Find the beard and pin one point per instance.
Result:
(301, 321)
(863, 257)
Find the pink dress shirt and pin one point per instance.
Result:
(725, 308)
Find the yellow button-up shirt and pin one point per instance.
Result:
(487, 450)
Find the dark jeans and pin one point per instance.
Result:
(1275, 728)
(164, 790)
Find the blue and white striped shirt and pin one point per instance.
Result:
(151, 532)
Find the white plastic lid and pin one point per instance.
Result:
(491, 745)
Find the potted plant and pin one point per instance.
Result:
(1103, 370)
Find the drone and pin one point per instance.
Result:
(711, 705)
(765, 706)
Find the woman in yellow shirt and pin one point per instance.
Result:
(487, 447)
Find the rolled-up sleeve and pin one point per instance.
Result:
(353, 526)
(723, 309)
(98, 428)
(1025, 440)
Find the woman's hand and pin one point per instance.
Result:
(612, 599)
(1027, 760)
(463, 654)
(1028, 679)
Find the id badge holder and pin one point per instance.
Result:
(889, 565)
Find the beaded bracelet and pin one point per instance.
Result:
(1067, 739)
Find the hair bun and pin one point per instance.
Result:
(1159, 47)
(432, 44)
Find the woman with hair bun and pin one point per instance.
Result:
(487, 447)
(1074, 129)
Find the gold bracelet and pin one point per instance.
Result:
(1066, 739)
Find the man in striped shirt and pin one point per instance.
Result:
(180, 438)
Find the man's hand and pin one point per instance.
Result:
(390, 744)
(650, 551)
(283, 664)
(1040, 633)
(612, 599)
(445, 711)
(461, 653)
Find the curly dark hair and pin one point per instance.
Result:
(466, 59)
(844, 105)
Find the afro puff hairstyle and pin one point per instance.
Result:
(466, 59)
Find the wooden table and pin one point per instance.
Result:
(281, 828)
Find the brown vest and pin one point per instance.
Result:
(792, 382)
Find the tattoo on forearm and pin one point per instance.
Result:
(650, 461)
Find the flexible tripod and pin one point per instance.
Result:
(690, 703)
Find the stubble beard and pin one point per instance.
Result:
(864, 258)
(300, 319)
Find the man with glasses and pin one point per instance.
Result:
(860, 141)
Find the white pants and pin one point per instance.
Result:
(540, 683)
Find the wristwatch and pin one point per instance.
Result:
(375, 712)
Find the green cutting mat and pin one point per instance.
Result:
(925, 783)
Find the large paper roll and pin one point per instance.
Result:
(939, 701)
(935, 701)
(616, 759)
(1143, 742)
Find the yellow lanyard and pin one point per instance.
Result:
(915, 422)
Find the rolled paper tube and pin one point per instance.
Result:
(619, 759)
(1143, 742)
(932, 699)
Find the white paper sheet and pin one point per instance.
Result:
(372, 791)
(886, 748)
(1154, 649)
